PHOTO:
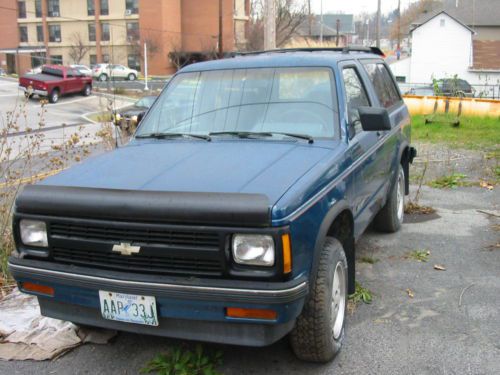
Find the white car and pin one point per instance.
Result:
(85, 70)
(103, 72)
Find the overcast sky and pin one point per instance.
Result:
(356, 6)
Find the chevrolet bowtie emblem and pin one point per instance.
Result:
(125, 248)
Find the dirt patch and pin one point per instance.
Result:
(420, 218)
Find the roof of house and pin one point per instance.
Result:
(346, 25)
(470, 12)
(486, 55)
(435, 14)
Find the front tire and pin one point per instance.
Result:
(320, 329)
(131, 77)
(390, 217)
(103, 77)
(54, 96)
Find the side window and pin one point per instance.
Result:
(383, 84)
(355, 97)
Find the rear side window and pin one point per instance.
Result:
(355, 97)
(383, 84)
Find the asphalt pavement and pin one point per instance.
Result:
(450, 326)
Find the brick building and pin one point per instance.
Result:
(95, 31)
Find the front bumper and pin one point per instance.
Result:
(191, 308)
(33, 91)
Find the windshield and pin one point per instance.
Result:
(291, 100)
(145, 102)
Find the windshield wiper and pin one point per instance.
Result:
(243, 134)
(264, 134)
(174, 135)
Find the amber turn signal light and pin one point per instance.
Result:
(237, 312)
(37, 288)
(287, 253)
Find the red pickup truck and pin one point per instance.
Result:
(55, 81)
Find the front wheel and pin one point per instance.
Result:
(319, 331)
(103, 77)
(87, 90)
(390, 218)
(54, 96)
(131, 77)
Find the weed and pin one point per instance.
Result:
(361, 294)
(368, 260)
(449, 182)
(419, 255)
(184, 362)
(415, 208)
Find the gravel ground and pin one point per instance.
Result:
(450, 326)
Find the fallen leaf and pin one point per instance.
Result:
(439, 267)
(410, 293)
(486, 185)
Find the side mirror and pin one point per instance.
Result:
(374, 119)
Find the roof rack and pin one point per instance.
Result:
(347, 49)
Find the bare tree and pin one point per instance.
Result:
(78, 49)
(290, 15)
(411, 14)
(137, 46)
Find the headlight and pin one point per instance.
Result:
(33, 233)
(253, 249)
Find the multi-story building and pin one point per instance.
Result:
(100, 31)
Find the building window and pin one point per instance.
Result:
(442, 22)
(53, 8)
(104, 8)
(23, 34)
(56, 59)
(21, 8)
(92, 60)
(134, 62)
(131, 7)
(39, 33)
(105, 58)
(54, 33)
(92, 32)
(132, 31)
(90, 8)
(37, 59)
(105, 32)
(38, 8)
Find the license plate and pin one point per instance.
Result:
(128, 308)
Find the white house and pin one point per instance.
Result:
(442, 47)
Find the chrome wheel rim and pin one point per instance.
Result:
(55, 97)
(401, 195)
(338, 301)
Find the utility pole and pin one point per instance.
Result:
(146, 66)
(270, 25)
(321, 23)
(337, 26)
(221, 29)
(398, 50)
(377, 28)
(309, 20)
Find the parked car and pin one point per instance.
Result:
(55, 81)
(454, 87)
(421, 91)
(85, 70)
(127, 118)
(233, 213)
(103, 72)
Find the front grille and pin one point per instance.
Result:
(162, 265)
(178, 239)
(163, 251)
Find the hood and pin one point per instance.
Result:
(131, 110)
(263, 167)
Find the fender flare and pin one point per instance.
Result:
(404, 159)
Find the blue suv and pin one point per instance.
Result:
(233, 213)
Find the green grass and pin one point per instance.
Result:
(100, 117)
(476, 133)
(178, 361)
(368, 260)
(419, 255)
(449, 182)
(361, 294)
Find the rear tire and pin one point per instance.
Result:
(103, 77)
(320, 329)
(54, 96)
(87, 90)
(390, 217)
(131, 77)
